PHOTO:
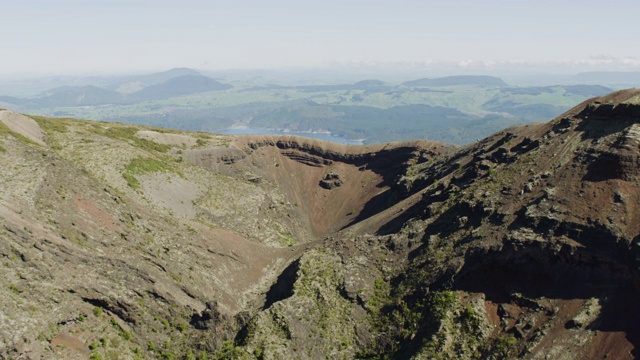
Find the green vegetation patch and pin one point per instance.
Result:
(140, 166)
(50, 125)
(504, 345)
(128, 134)
(4, 130)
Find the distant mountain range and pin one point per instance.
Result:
(157, 86)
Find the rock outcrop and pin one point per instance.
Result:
(331, 181)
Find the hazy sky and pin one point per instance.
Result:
(71, 36)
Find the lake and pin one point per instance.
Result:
(258, 131)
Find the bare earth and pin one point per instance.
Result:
(23, 125)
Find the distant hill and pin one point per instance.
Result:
(366, 84)
(78, 96)
(582, 90)
(11, 101)
(160, 77)
(609, 77)
(374, 124)
(478, 80)
(134, 83)
(182, 85)
(587, 90)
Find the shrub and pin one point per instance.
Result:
(182, 327)
(503, 345)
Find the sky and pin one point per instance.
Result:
(101, 36)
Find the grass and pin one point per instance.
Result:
(128, 134)
(52, 124)
(286, 238)
(131, 181)
(140, 166)
(182, 327)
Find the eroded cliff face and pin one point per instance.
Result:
(139, 242)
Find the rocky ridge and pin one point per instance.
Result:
(519, 246)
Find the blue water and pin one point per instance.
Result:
(258, 131)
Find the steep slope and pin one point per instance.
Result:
(89, 260)
(521, 245)
(145, 242)
(537, 221)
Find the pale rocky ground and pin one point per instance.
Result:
(23, 125)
